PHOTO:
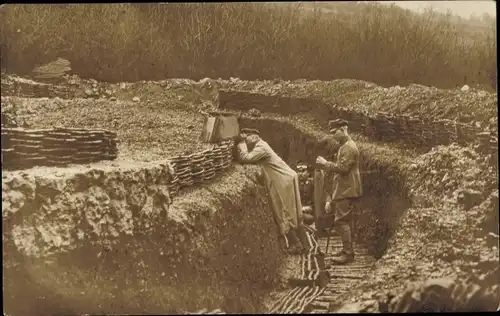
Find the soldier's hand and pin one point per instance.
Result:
(328, 207)
(320, 160)
(238, 139)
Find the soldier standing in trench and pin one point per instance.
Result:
(305, 184)
(346, 187)
(282, 183)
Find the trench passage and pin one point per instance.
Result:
(320, 281)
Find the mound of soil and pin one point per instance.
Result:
(111, 248)
(452, 172)
(470, 106)
(476, 106)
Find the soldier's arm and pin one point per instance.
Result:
(345, 161)
(256, 155)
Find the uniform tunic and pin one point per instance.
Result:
(347, 180)
(281, 181)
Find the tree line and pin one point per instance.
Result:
(129, 42)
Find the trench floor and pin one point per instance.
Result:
(342, 277)
(314, 299)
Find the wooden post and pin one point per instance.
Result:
(319, 194)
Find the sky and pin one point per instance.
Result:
(461, 8)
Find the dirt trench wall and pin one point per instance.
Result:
(29, 88)
(112, 241)
(386, 195)
(53, 211)
(414, 132)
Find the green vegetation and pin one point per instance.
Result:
(129, 42)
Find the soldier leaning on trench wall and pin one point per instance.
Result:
(282, 183)
(347, 187)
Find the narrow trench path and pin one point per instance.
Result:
(321, 281)
(342, 277)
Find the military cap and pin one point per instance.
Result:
(338, 123)
(301, 165)
(249, 131)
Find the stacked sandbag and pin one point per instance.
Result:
(182, 169)
(197, 167)
(26, 148)
(174, 184)
(208, 164)
(200, 167)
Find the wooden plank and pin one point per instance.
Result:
(355, 266)
(320, 305)
(319, 311)
(351, 267)
(357, 261)
(329, 292)
(346, 285)
(339, 274)
(325, 298)
(346, 276)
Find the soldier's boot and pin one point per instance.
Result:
(282, 243)
(346, 255)
(302, 236)
(323, 226)
(296, 246)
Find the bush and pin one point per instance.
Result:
(129, 42)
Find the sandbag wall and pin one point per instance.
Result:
(26, 148)
(199, 167)
(417, 132)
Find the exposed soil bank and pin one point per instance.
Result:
(109, 241)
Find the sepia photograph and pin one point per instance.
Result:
(301, 157)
